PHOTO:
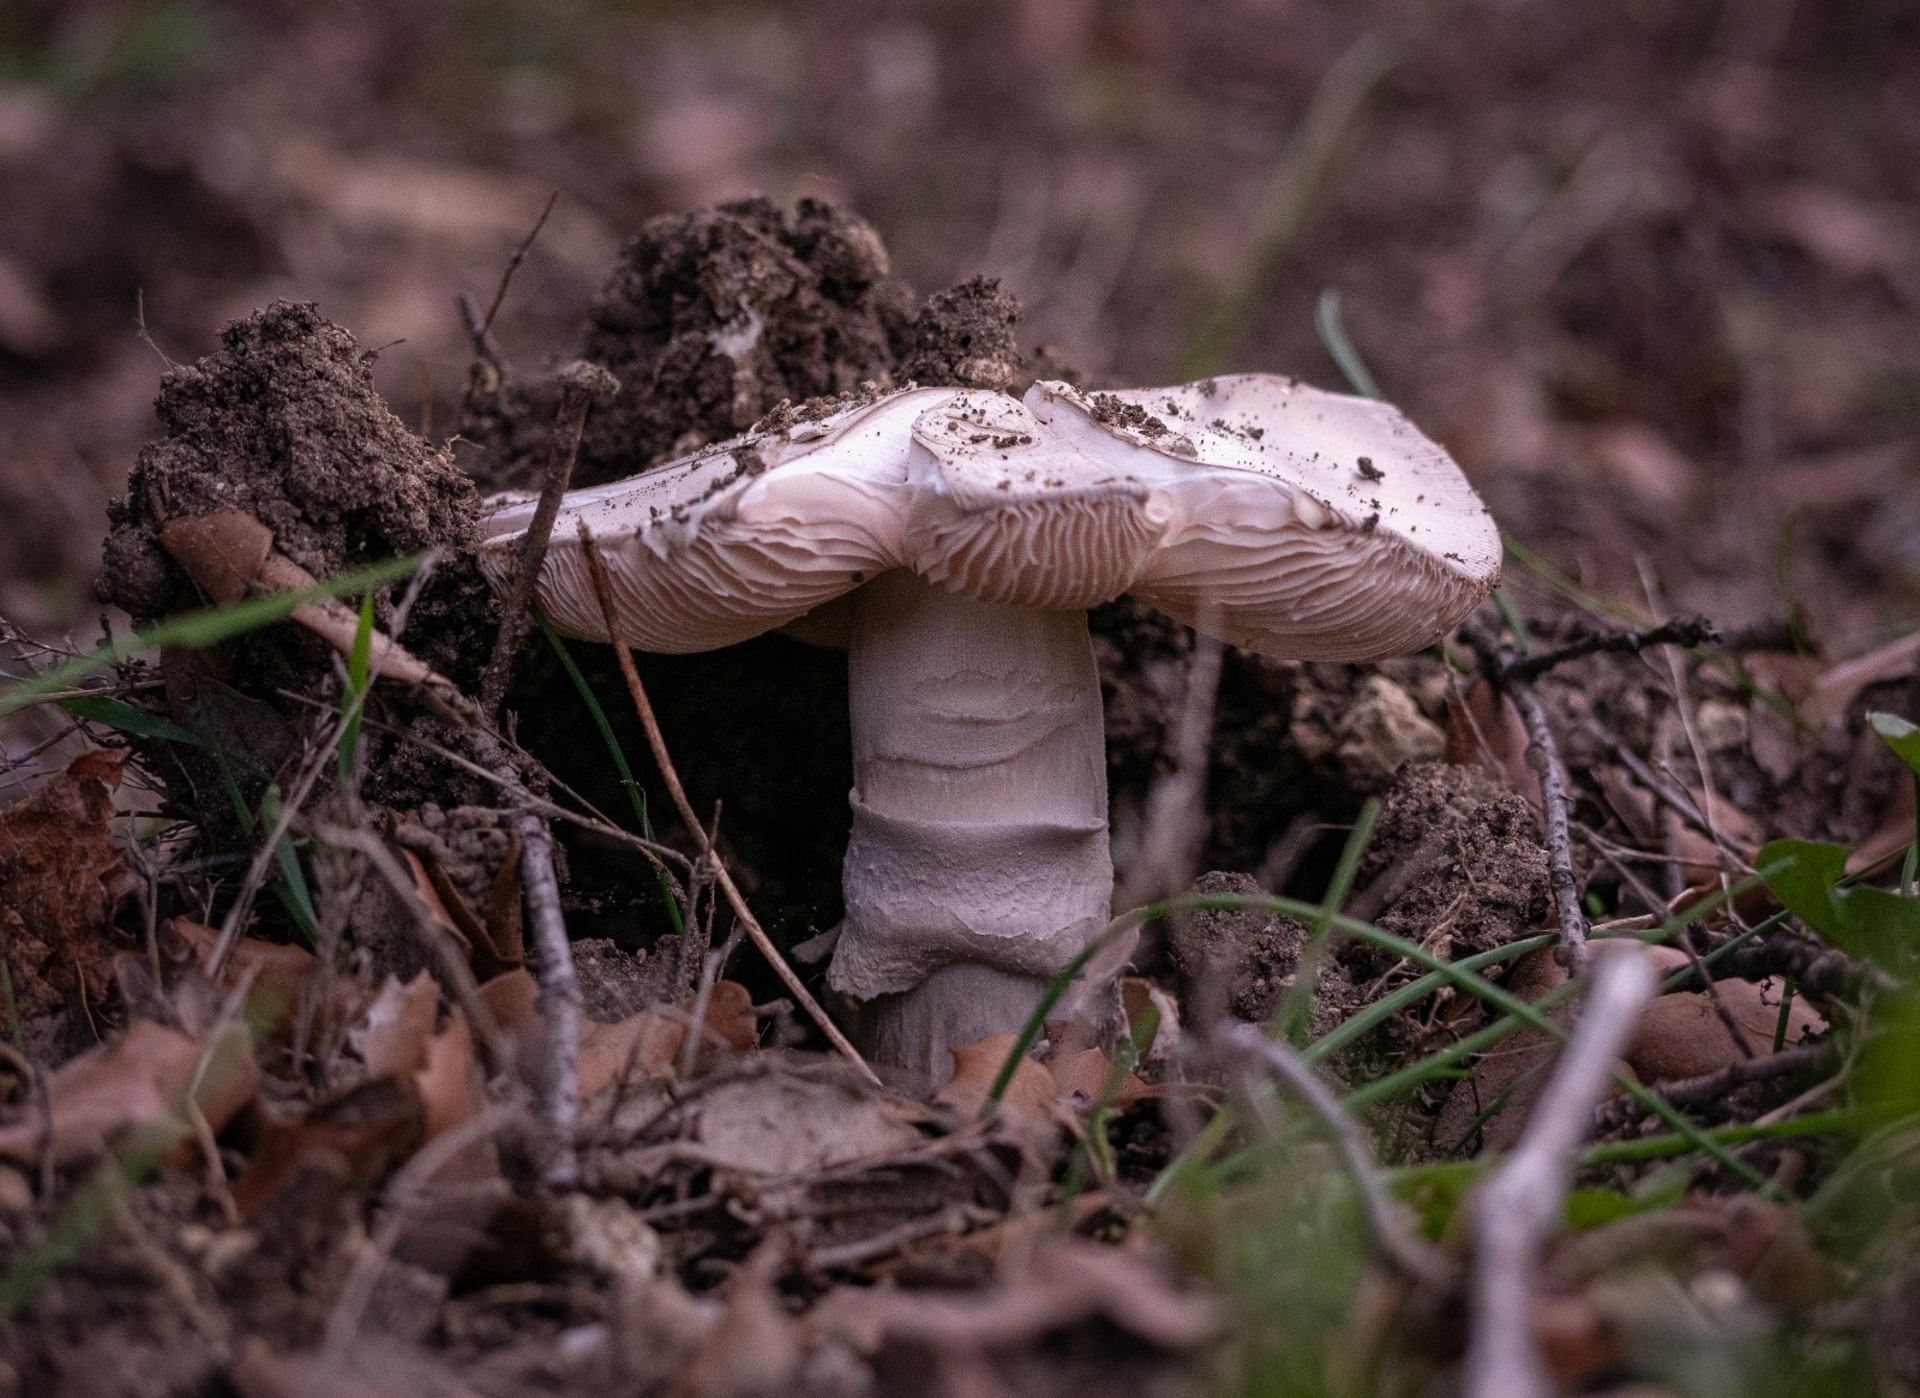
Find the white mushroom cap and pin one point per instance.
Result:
(744, 537)
(1278, 517)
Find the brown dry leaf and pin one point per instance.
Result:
(1576, 1339)
(476, 937)
(1838, 686)
(344, 1144)
(223, 552)
(369, 1368)
(730, 1018)
(1080, 1080)
(1484, 728)
(780, 1123)
(449, 1080)
(1070, 1281)
(503, 914)
(130, 1095)
(279, 970)
(977, 1066)
(1681, 1036)
(514, 999)
(58, 871)
(643, 1045)
(393, 1038)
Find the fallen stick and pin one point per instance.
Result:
(643, 707)
(1519, 1208)
(229, 554)
(581, 386)
(1387, 1219)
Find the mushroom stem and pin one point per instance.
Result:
(979, 863)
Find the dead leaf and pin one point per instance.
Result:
(393, 1038)
(786, 1124)
(976, 1067)
(1681, 1036)
(646, 1045)
(58, 877)
(131, 1095)
(449, 1080)
(279, 971)
(730, 1018)
(1485, 729)
(1069, 1281)
(345, 1144)
(1080, 1080)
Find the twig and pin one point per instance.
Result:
(480, 327)
(1710, 1087)
(1519, 1207)
(1392, 1231)
(230, 553)
(1680, 631)
(643, 707)
(1819, 971)
(1544, 757)
(581, 386)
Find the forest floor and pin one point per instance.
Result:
(273, 1117)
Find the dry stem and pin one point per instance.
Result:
(581, 386)
(1518, 1209)
(643, 707)
(1392, 1230)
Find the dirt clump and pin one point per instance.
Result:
(716, 319)
(710, 320)
(1243, 961)
(964, 337)
(1455, 863)
(283, 422)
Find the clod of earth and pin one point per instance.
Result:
(953, 540)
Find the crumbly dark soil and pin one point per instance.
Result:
(714, 319)
(284, 422)
(1243, 961)
(1457, 863)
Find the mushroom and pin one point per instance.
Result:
(962, 536)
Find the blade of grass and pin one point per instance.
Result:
(1030, 1032)
(1332, 328)
(1291, 1017)
(353, 703)
(291, 888)
(614, 750)
(197, 629)
(123, 717)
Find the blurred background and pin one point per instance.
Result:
(1649, 267)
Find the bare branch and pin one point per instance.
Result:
(581, 386)
(1392, 1229)
(1518, 1209)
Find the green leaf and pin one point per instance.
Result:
(1804, 875)
(1861, 920)
(1900, 735)
(123, 717)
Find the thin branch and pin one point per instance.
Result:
(480, 327)
(643, 707)
(1686, 631)
(1709, 1088)
(581, 386)
(1392, 1229)
(1518, 1209)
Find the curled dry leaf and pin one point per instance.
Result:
(132, 1095)
(646, 1044)
(976, 1067)
(1077, 1079)
(1484, 729)
(279, 972)
(344, 1144)
(1069, 1281)
(394, 1036)
(1681, 1036)
(58, 877)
